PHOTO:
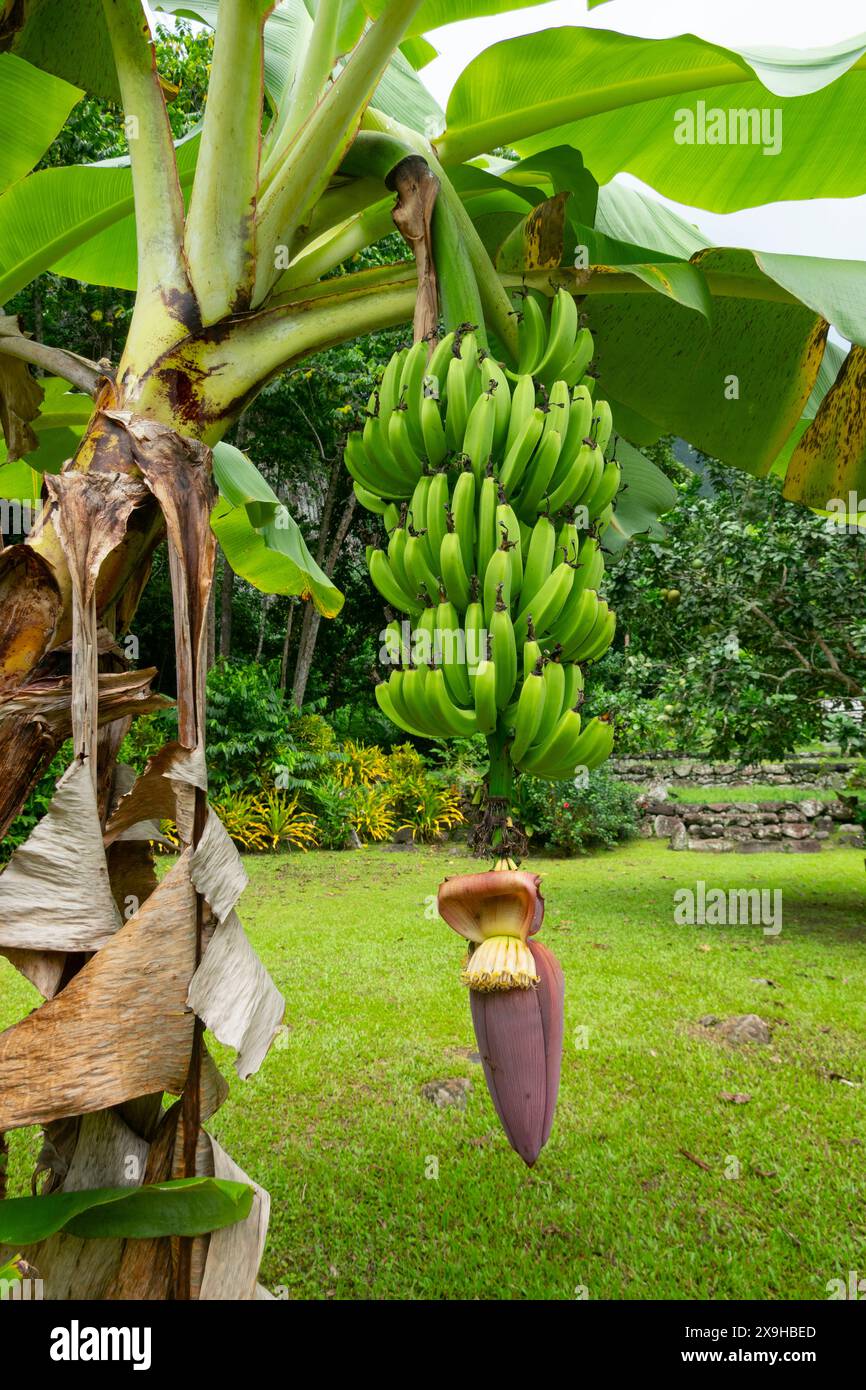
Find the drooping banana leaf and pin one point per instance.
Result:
(33, 109)
(620, 100)
(262, 542)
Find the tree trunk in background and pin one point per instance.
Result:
(226, 595)
(328, 562)
(284, 664)
(211, 627)
(267, 600)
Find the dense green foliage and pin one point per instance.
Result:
(744, 632)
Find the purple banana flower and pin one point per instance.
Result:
(516, 993)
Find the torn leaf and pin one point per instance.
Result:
(55, 893)
(119, 1029)
(234, 994)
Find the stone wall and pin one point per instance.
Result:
(750, 826)
(802, 771)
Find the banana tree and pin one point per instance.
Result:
(230, 239)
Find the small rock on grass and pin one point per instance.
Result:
(740, 1028)
(452, 1090)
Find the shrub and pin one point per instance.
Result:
(571, 820)
(247, 726)
(427, 809)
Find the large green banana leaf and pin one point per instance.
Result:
(33, 109)
(618, 99)
(78, 221)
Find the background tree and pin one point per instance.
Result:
(741, 638)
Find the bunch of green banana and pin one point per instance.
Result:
(494, 489)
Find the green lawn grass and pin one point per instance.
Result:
(335, 1127)
(747, 793)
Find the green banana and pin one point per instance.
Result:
(607, 489)
(531, 655)
(494, 380)
(469, 358)
(554, 685)
(504, 649)
(461, 723)
(522, 406)
(509, 528)
(389, 386)
(384, 461)
(602, 638)
(486, 536)
(453, 571)
(587, 749)
(386, 582)
(384, 699)
(369, 500)
(558, 410)
(463, 511)
(580, 358)
(539, 558)
(497, 581)
(553, 749)
(412, 689)
(573, 685)
(456, 405)
(484, 692)
(602, 421)
(375, 476)
(418, 569)
(478, 440)
(411, 392)
(440, 358)
(577, 622)
(578, 650)
(417, 513)
(397, 556)
(475, 631)
(531, 336)
(433, 432)
(576, 479)
(400, 444)
(530, 708)
(452, 645)
(560, 338)
(521, 451)
(538, 476)
(436, 517)
(545, 606)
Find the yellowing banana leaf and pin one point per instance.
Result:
(182, 1207)
(828, 462)
(648, 106)
(262, 542)
(33, 109)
